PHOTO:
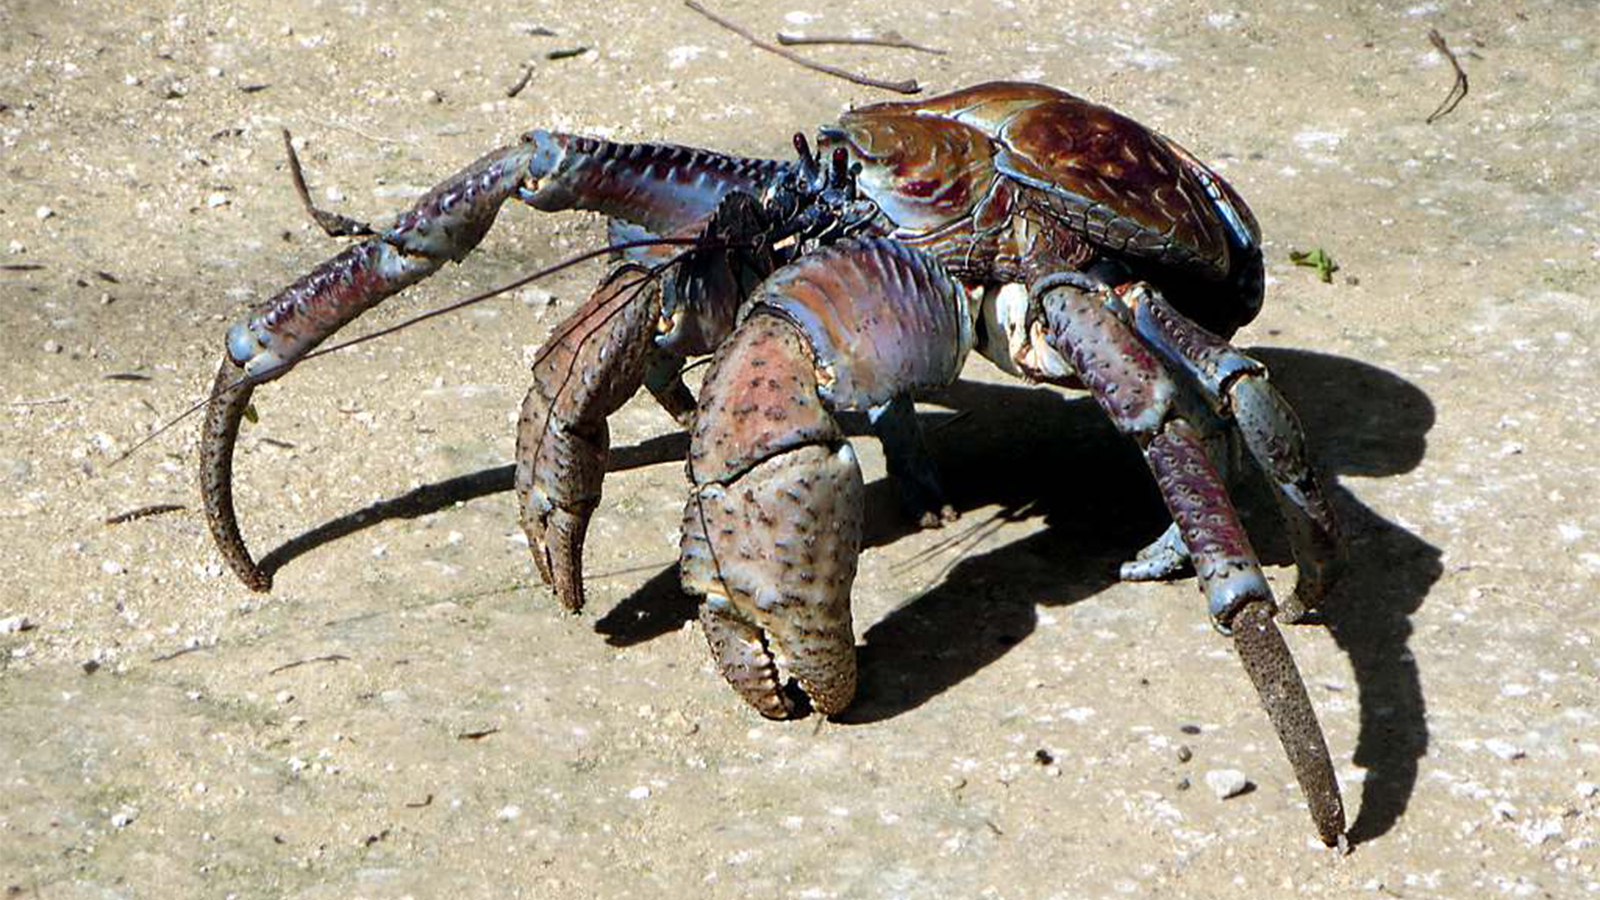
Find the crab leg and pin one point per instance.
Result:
(445, 224)
(1237, 387)
(772, 528)
(595, 362)
(1135, 390)
(635, 330)
(659, 187)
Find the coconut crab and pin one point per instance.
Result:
(1063, 241)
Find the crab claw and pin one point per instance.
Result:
(772, 528)
(596, 360)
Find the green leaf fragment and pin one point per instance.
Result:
(1316, 259)
(250, 413)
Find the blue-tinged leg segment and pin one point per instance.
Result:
(910, 465)
(1166, 557)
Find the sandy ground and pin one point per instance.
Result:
(408, 714)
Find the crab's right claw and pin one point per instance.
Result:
(593, 363)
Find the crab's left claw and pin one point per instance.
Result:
(772, 529)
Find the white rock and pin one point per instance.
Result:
(509, 813)
(111, 567)
(43, 212)
(217, 199)
(1226, 783)
(639, 793)
(14, 624)
(1504, 749)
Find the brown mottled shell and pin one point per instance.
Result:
(1126, 189)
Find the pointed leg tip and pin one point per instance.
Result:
(938, 516)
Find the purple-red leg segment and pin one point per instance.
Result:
(1134, 388)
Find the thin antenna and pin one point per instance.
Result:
(274, 371)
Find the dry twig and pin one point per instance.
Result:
(908, 86)
(334, 224)
(887, 39)
(330, 658)
(144, 512)
(1458, 90)
(527, 75)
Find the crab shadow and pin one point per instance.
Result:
(1063, 462)
(1060, 460)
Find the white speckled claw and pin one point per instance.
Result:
(772, 528)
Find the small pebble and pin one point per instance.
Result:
(285, 697)
(123, 818)
(536, 298)
(639, 793)
(509, 813)
(1504, 749)
(1227, 783)
(16, 247)
(1183, 784)
(43, 212)
(1184, 753)
(132, 80)
(14, 624)
(52, 347)
(111, 567)
(432, 96)
(334, 195)
(216, 199)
